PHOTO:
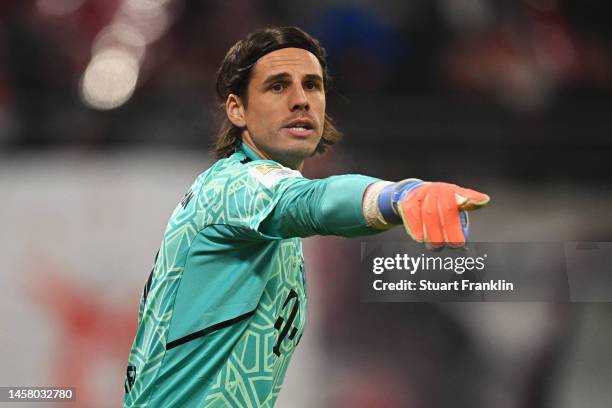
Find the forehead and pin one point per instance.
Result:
(289, 60)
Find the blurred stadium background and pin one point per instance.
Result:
(107, 115)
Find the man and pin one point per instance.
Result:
(225, 304)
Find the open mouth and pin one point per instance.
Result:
(299, 131)
(300, 126)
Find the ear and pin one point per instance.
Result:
(235, 110)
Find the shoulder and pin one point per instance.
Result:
(269, 174)
(250, 189)
(242, 171)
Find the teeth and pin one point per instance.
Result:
(299, 128)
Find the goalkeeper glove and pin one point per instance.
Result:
(434, 213)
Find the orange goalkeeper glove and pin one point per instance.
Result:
(434, 213)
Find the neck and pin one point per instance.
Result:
(257, 150)
(249, 142)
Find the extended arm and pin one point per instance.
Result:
(330, 206)
(354, 205)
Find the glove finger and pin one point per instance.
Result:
(432, 225)
(451, 220)
(468, 199)
(410, 211)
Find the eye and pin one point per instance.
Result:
(310, 85)
(277, 87)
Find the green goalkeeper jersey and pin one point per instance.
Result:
(225, 304)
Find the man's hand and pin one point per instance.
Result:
(434, 213)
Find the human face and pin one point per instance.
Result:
(285, 113)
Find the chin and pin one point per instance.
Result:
(303, 152)
(290, 156)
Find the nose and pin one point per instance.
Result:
(298, 99)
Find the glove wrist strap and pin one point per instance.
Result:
(386, 205)
(390, 196)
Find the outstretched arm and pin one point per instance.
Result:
(354, 205)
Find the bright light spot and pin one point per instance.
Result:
(152, 26)
(146, 4)
(142, 8)
(120, 35)
(58, 7)
(128, 35)
(109, 79)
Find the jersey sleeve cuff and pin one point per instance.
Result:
(371, 208)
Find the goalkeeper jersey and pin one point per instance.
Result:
(225, 304)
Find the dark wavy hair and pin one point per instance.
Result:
(234, 74)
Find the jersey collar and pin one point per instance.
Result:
(247, 151)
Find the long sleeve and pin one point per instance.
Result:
(330, 206)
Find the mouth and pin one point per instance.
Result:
(302, 127)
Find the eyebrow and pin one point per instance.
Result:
(285, 76)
